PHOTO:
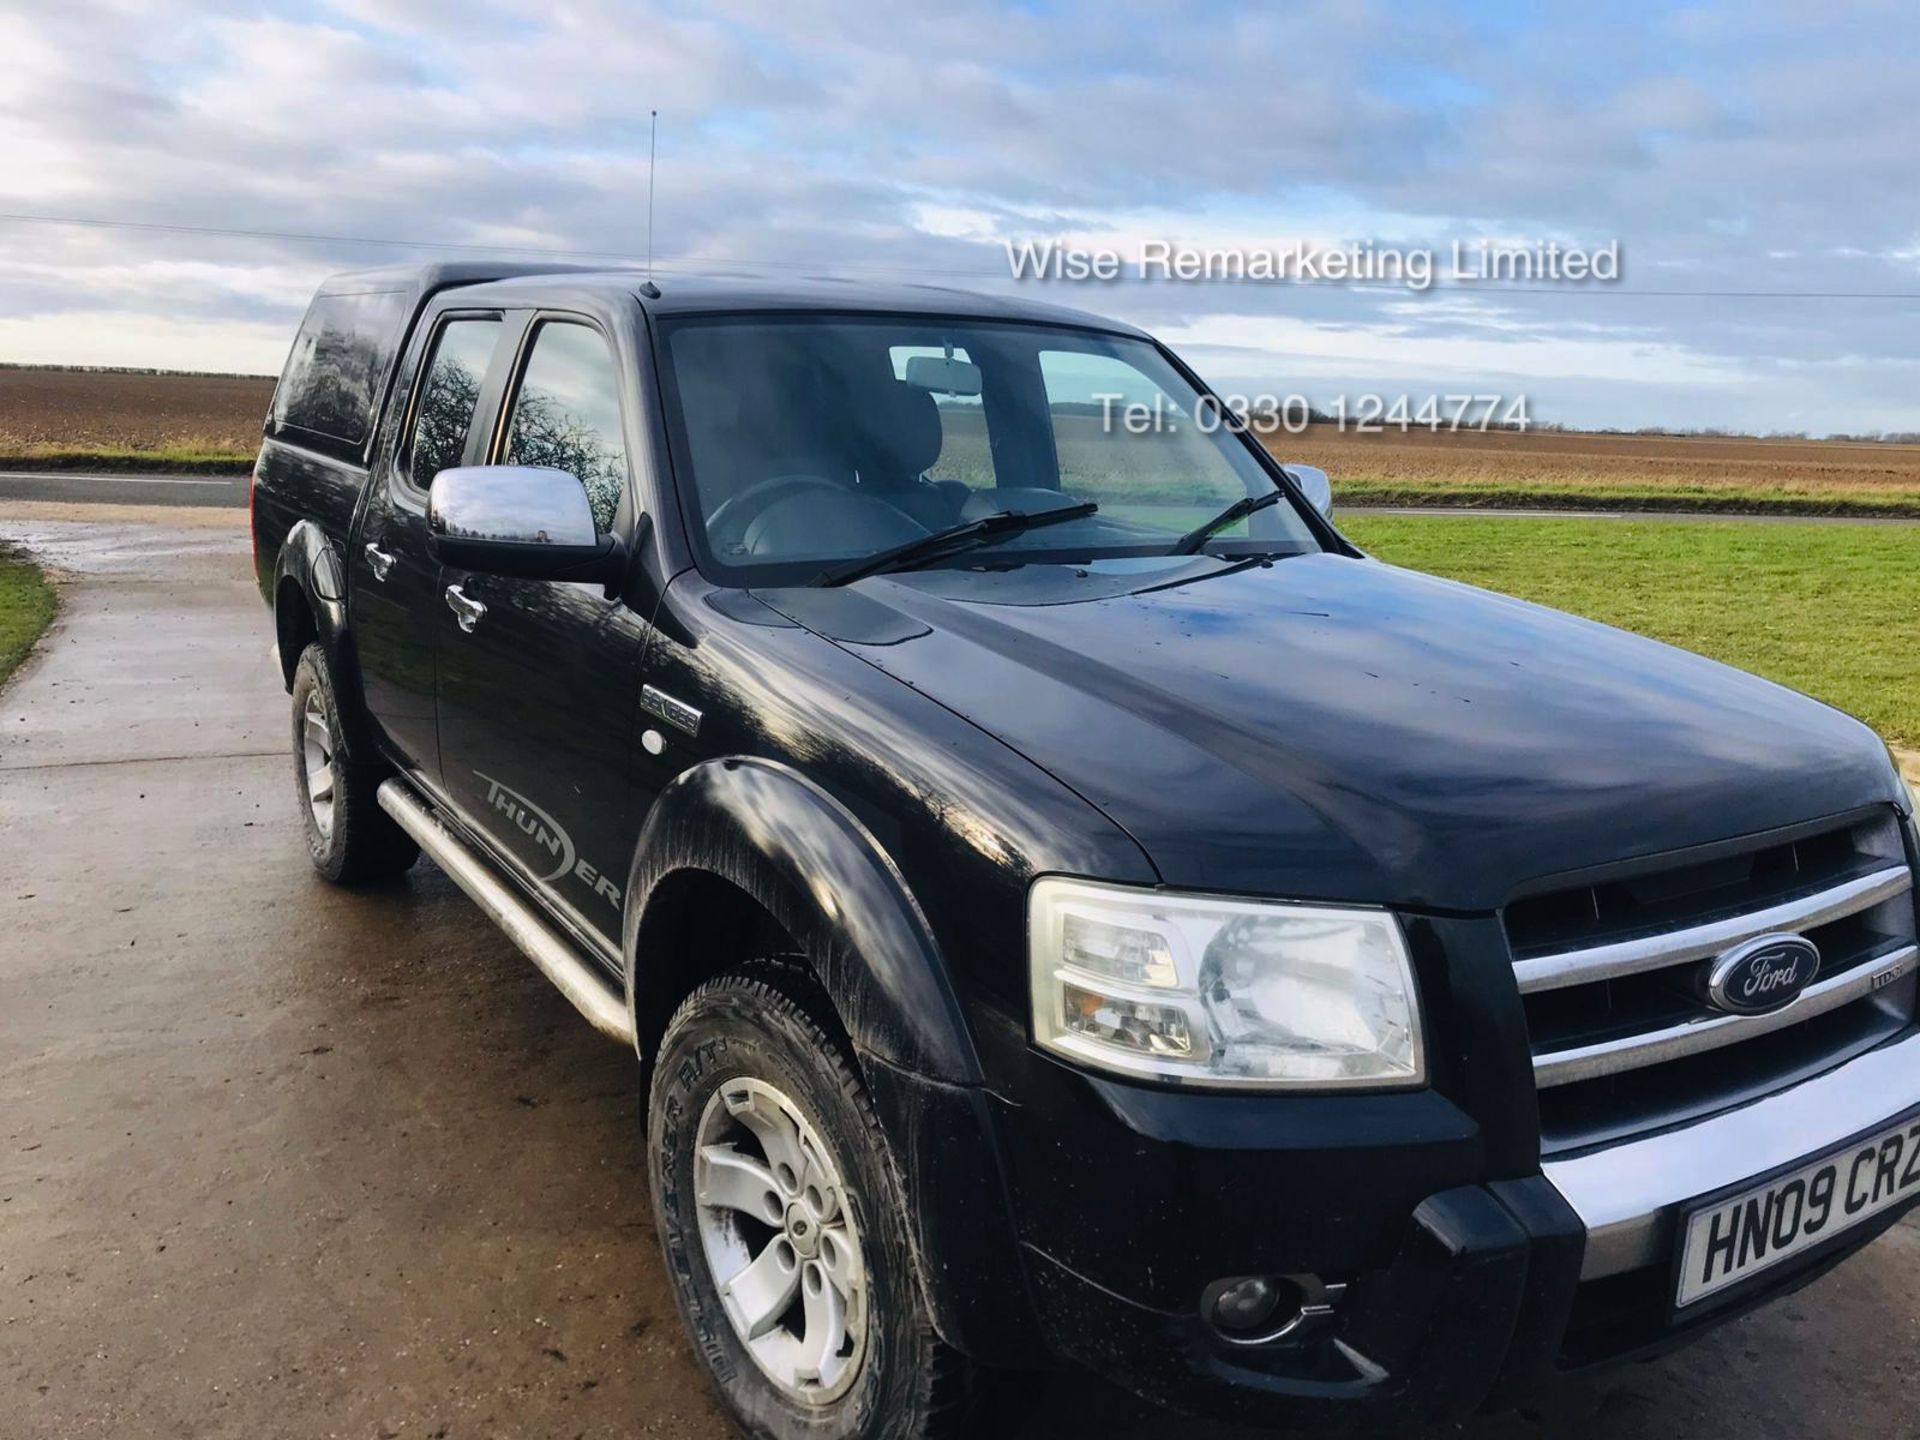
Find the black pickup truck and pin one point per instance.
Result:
(1073, 907)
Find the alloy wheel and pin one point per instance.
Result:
(781, 1241)
(317, 765)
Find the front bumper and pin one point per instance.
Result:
(1466, 1295)
(1629, 1196)
(1423, 1339)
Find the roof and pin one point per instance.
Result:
(424, 279)
(710, 295)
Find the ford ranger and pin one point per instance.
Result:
(1074, 909)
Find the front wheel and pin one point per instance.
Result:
(784, 1226)
(348, 835)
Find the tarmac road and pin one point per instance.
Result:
(282, 1160)
(66, 485)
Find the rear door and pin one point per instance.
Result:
(538, 700)
(394, 589)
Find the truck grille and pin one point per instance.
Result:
(1612, 973)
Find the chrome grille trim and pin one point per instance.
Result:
(1698, 942)
(1629, 1195)
(1612, 1057)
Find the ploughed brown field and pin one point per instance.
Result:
(1714, 470)
(1538, 468)
(73, 410)
(206, 421)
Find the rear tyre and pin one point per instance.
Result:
(349, 836)
(785, 1227)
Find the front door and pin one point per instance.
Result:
(394, 582)
(539, 682)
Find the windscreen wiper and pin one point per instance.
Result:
(1188, 543)
(955, 538)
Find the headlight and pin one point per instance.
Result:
(1223, 993)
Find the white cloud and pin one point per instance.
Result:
(1748, 149)
(144, 339)
(1396, 357)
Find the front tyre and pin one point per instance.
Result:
(784, 1226)
(349, 836)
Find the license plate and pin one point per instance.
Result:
(1732, 1240)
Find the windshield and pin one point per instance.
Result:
(813, 442)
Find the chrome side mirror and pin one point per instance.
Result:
(518, 520)
(1314, 484)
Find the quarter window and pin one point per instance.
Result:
(339, 361)
(567, 415)
(449, 396)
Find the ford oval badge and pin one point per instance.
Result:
(1763, 974)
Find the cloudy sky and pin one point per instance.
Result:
(1754, 160)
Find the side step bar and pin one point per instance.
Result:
(576, 977)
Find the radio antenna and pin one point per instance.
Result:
(653, 148)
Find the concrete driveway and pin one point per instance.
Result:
(280, 1160)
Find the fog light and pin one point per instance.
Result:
(1246, 1305)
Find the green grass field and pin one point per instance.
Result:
(26, 608)
(1833, 610)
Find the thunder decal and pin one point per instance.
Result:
(550, 835)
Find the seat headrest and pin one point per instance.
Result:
(899, 429)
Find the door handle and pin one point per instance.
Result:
(465, 608)
(379, 561)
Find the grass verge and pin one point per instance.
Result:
(26, 609)
(1650, 499)
(1833, 610)
(114, 459)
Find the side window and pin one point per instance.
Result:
(567, 414)
(965, 453)
(448, 396)
(339, 360)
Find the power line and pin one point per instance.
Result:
(467, 247)
(696, 264)
(223, 231)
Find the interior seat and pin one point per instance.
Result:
(898, 433)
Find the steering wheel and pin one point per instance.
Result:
(727, 526)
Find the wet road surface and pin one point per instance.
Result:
(283, 1160)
